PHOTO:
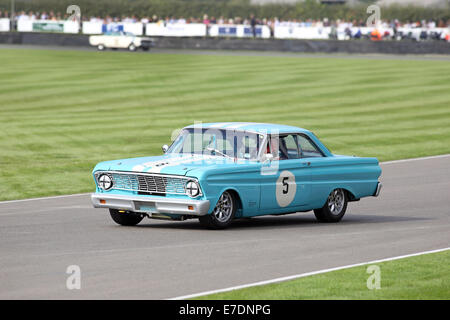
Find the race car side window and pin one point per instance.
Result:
(289, 145)
(307, 148)
(283, 147)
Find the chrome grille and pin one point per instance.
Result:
(152, 183)
(125, 181)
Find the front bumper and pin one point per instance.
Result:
(153, 205)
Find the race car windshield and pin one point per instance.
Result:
(219, 142)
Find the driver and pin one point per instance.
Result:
(276, 148)
(272, 147)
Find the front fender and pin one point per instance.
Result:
(215, 199)
(245, 184)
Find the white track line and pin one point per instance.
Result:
(84, 194)
(302, 275)
(416, 159)
(46, 198)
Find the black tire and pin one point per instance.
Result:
(222, 216)
(125, 218)
(132, 47)
(328, 213)
(101, 47)
(146, 48)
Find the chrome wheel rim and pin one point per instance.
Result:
(336, 201)
(224, 208)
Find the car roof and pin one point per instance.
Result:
(270, 128)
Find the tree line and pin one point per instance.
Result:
(309, 9)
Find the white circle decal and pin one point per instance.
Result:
(285, 188)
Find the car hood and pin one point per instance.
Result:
(177, 164)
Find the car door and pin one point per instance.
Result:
(320, 171)
(125, 40)
(287, 186)
(110, 41)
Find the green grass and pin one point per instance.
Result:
(61, 112)
(421, 277)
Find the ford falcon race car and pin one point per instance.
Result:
(218, 172)
(120, 40)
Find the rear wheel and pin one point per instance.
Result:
(335, 207)
(125, 218)
(223, 213)
(101, 47)
(132, 47)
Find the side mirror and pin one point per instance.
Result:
(268, 157)
(165, 148)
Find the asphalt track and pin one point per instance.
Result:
(40, 238)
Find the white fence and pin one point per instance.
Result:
(238, 31)
(47, 26)
(4, 24)
(302, 32)
(201, 30)
(95, 27)
(281, 31)
(297, 32)
(175, 29)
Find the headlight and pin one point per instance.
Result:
(192, 189)
(105, 181)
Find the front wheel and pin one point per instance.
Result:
(223, 213)
(125, 218)
(334, 208)
(101, 47)
(132, 47)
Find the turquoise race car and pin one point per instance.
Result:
(218, 172)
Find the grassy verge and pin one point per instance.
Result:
(421, 277)
(61, 112)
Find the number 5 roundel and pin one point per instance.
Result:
(285, 188)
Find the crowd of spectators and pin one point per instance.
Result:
(35, 15)
(271, 23)
(223, 20)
